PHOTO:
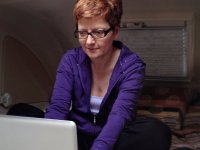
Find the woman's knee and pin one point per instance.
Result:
(158, 132)
(143, 134)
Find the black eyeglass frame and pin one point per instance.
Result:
(92, 33)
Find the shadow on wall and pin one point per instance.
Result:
(25, 77)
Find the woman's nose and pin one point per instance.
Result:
(90, 40)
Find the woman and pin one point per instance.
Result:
(98, 84)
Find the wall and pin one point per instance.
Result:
(197, 50)
(32, 41)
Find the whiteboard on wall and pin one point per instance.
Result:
(164, 49)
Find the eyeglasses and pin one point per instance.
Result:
(96, 34)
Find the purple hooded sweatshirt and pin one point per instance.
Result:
(71, 95)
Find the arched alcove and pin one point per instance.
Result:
(24, 76)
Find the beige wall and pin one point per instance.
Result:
(197, 50)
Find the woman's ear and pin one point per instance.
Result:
(116, 32)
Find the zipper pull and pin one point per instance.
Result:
(94, 119)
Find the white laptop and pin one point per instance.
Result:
(28, 133)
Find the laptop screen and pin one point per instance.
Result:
(28, 133)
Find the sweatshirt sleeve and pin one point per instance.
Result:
(61, 98)
(123, 108)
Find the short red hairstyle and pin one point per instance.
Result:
(112, 10)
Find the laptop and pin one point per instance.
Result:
(28, 133)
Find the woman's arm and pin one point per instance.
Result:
(61, 97)
(123, 108)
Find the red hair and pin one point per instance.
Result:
(111, 9)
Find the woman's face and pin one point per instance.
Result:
(97, 48)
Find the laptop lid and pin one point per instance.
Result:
(28, 133)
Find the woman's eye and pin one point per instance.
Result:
(82, 33)
(99, 32)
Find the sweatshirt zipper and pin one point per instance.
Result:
(94, 119)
